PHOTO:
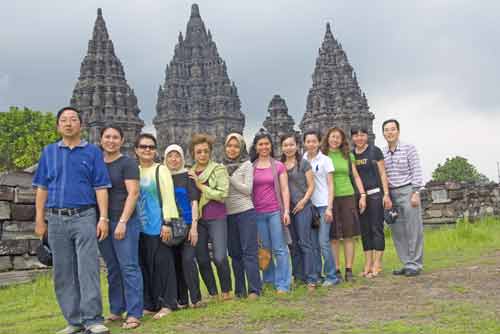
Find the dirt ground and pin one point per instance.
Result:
(414, 302)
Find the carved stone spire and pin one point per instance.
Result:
(278, 122)
(335, 98)
(197, 94)
(102, 93)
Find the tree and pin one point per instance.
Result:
(456, 169)
(23, 134)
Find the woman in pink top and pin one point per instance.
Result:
(271, 200)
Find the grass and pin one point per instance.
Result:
(32, 308)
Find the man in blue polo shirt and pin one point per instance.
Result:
(71, 179)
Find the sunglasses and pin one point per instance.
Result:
(147, 147)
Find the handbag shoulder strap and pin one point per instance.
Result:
(277, 187)
(158, 189)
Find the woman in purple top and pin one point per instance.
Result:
(271, 199)
(212, 181)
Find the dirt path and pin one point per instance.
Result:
(463, 291)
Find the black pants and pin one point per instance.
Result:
(188, 282)
(372, 224)
(216, 230)
(158, 272)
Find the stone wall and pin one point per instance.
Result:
(445, 203)
(17, 215)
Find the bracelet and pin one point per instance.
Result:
(104, 218)
(363, 194)
(122, 221)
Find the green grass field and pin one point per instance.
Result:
(32, 308)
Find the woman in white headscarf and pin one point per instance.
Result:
(187, 197)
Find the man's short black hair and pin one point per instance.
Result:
(392, 120)
(59, 113)
(312, 132)
(355, 129)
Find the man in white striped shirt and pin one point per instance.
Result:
(404, 173)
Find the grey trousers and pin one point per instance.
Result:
(408, 231)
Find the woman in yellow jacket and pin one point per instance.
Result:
(213, 182)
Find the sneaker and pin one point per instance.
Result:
(411, 272)
(71, 330)
(399, 272)
(97, 329)
(328, 283)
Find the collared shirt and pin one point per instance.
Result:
(321, 166)
(71, 176)
(403, 166)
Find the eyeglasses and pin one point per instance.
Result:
(147, 147)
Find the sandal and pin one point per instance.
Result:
(148, 312)
(163, 312)
(112, 318)
(131, 323)
(376, 271)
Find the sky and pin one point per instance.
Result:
(432, 64)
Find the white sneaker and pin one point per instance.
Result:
(71, 330)
(97, 329)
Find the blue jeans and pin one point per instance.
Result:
(304, 263)
(125, 284)
(271, 234)
(75, 256)
(321, 242)
(243, 249)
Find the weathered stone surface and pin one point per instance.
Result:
(435, 213)
(102, 93)
(197, 94)
(278, 122)
(5, 263)
(14, 247)
(23, 212)
(24, 195)
(33, 245)
(5, 211)
(16, 179)
(18, 226)
(335, 98)
(456, 194)
(440, 196)
(6, 193)
(27, 262)
(453, 185)
(18, 235)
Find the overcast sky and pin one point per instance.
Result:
(431, 64)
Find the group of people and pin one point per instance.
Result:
(301, 208)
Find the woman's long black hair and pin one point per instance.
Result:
(260, 135)
(298, 157)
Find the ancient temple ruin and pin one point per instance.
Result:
(197, 95)
(102, 93)
(278, 122)
(335, 98)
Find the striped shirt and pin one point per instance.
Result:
(239, 198)
(403, 166)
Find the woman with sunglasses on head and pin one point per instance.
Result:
(242, 228)
(370, 165)
(187, 197)
(271, 199)
(345, 224)
(121, 247)
(301, 186)
(212, 181)
(156, 208)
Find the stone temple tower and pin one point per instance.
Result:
(335, 98)
(278, 122)
(197, 95)
(102, 93)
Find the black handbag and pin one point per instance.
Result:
(44, 253)
(316, 217)
(178, 228)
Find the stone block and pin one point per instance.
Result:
(23, 212)
(16, 179)
(453, 185)
(435, 213)
(440, 196)
(6, 193)
(26, 261)
(5, 263)
(4, 210)
(449, 212)
(456, 194)
(18, 235)
(33, 245)
(24, 195)
(14, 247)
(17, 226)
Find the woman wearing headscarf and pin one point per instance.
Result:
(187, 197)
(241, 222)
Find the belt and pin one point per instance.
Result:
(372, 191)
(399, 187)
(69, 211)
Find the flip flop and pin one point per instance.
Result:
(131, 324)
(148, 312)
(112, 318)
(163, 312)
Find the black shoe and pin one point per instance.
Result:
(411, 272)
(349, 277)
(399, 272)
(338, 273)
